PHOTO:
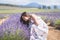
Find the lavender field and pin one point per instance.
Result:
(46, 15)
(10, 29)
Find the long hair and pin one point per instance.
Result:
(23, 21)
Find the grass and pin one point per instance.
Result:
(57, 24)
(18, 10)
(19, 35)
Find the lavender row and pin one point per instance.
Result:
(12, 26)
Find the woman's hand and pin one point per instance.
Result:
(34, 19)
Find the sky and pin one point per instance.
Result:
(24, 2)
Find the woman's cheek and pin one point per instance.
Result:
(26, 18)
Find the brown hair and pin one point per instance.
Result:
(23, 21)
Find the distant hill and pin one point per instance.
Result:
(30, 5)
(11, 5)
(33, 5)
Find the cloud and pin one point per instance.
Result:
(20, 2)
(48, 2)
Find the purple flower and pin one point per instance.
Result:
(13, 24)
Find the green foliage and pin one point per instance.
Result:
(16, 36)
(57, 24)
(7, 9)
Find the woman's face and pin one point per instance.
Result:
(26, 18)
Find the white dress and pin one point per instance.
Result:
(39, 32)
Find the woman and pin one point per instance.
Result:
(28, 26)
(27, 19)
(38, 27)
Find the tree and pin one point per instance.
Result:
(44, 7)
(49, 7)
(39, 7)
(55, 7)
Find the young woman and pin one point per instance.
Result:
(28, 26)
(28, 20)
(38, 28)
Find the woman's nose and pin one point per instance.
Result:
(26, 18)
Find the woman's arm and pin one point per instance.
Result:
(34, 19)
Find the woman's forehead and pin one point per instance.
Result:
(27, 15)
